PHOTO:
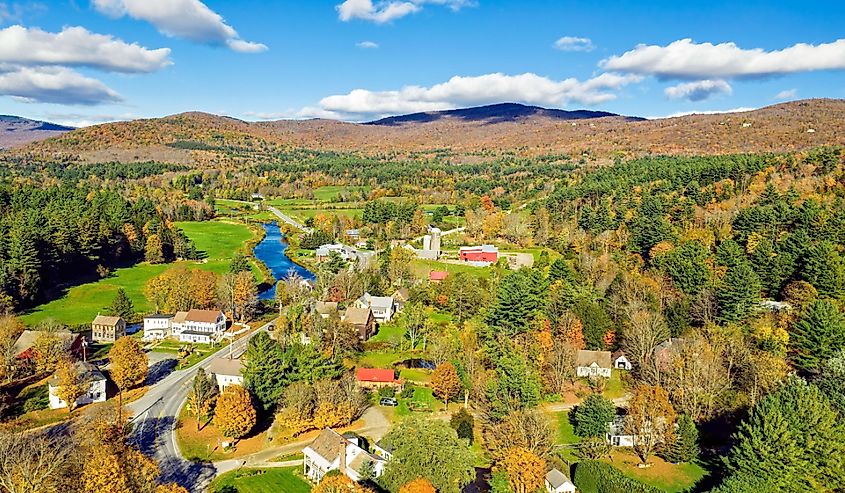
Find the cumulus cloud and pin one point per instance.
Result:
(787, 94)
(571, 43)
(76, 46)
(367, 45)
(86, 120)
(459, 91)
(59, 85)
(699, 90)
(686, 59)
(741, 109)
(386, 11)
(188, 19)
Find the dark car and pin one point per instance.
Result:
(388, 401)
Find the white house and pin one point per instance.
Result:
(557, 482)
(616, 434)
(331, 451)
(383, 307)
(96, 386)
(592, 363)
(203, 326)
(177, 323)
(620, 361)
(227, 371)
(157, 327)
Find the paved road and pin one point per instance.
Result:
(293, 222)
(154, 418)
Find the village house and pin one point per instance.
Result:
(664, 351)
(107, 329)
(382, 306)
(24, 348)
(592, 363)
(616, 434)
(376, 378)
(157, 327)
(332, 452)
(203, 326)
(325, 308)
(362, 320)
(620, 361)
(487, 254)
(557, 482)
(96, 386)
(177, 323)
(384, 449)
(227, 371)
(400, 297)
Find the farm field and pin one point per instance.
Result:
(218, 240)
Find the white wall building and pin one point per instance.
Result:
(332, 452)
(592, 363)
(202, 326)
(157, 327)
(383, 307)
(616, 434)
(227, 371)
(557, 482)
(96, 387)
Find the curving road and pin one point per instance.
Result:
(154, 418)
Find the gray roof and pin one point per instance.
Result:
(91, 372)
(556, 478)
(159, 315)
(226, 366)
(105, 320)
(587, 358)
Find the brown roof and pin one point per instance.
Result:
(179, 318)
(325, 307)
(587, 358)
(28, 337)
(226, 366)
(402, 294)
(207, 316)
(358, 316)
(327, 444)
(105, 320)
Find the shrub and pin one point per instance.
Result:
(386, 392)
(598, 477)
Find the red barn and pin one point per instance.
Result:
(483, 253)
(376, 377)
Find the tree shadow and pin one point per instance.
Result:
(159, 370)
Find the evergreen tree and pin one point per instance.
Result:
(685, 446)
(240, 263)
(831, 380)
(463, 423)
(122, 306)
(817, 336)
(825, 270)
(265, 370)
(792, 439)
(515, 385)
(561, 271)
(739, 293)
(687, 267)
(591, 417)
(520, 296)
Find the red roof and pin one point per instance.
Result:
(437, 275)
(384, 375)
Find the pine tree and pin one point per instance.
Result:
(561, 271)
(825, 270)
(122, 306)
(591, 417)
(265, 371)
(520, 296)
(463, 423)
(685, 446)
(817, 336)
(739, 293)
(831, 380)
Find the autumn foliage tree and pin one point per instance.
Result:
(71, 383)
(234, 414)
(650, 419)
(201, 396)
(419, 485)
(524, 469)
(338, 483)
(128, 365)
(445, 382)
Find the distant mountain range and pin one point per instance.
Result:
(465, 135)
(497, 113)
(16, 131)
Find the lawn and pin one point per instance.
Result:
(199, 351)
(565, 434)
(422, 267)
(205, 444)
(672, 478)
(615, 388)
(80, 304)
(329, 193)
(286, 479)
(423, 397)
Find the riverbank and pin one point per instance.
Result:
(273, 251)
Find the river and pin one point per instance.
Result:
(271, 251)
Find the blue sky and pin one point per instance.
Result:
(88, 61)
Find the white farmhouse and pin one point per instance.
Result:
(227, 372)
(157, 327)
(96, 386)
(331, 451)
(616, 434)
(202, 326)
(383, 307)
(592, 363)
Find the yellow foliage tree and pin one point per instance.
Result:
(203, 287)
(128, 365)
(170, 488)
(234, 415)
(419, 485)
(244, 292)
(445, 382)
(118, 468)
(10, 330)
(524, 469)
(338, 483)
(71, 384)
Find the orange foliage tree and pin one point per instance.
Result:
(445, 382)
(650, 419)
(338, 483)
(419, 485)
(234, 415)
(525, 470)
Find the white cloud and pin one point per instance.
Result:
(685, 59)
(787, 94)
(699, 90)
(571, 43)
(741, 109)
(386, 11)
(59, 85)
(189, 19)
(76, 46)
(460, 91)
(367, 45)
(85, 120)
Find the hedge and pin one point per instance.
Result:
(592, 476)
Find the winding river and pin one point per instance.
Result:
(271, 251)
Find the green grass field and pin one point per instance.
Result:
(422, 267)
(80, 304)
(287, 479)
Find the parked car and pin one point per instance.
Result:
(388, 401)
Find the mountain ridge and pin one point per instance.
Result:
(16, 130)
